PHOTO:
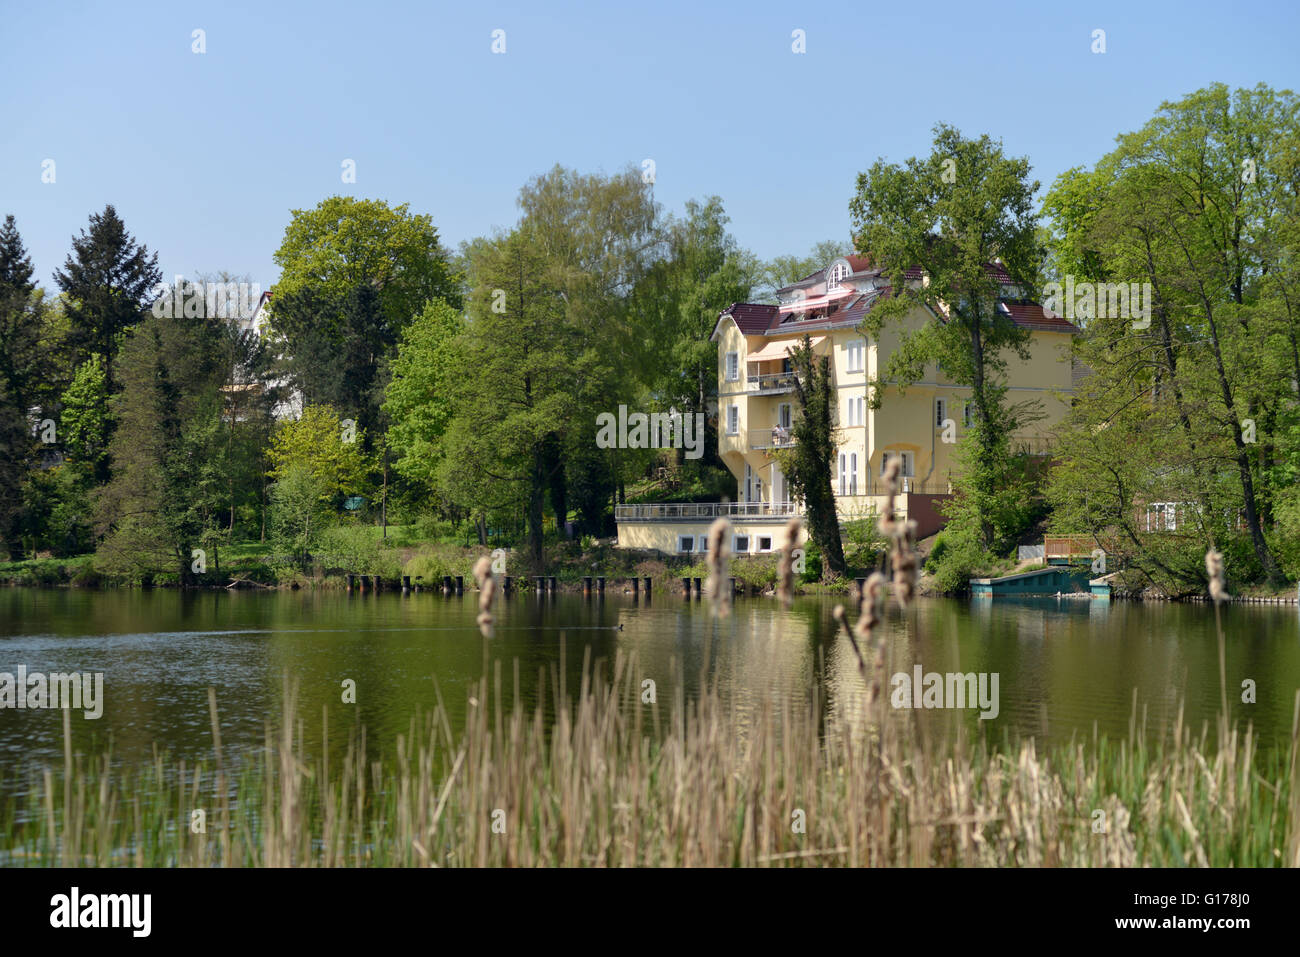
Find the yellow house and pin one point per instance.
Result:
(756, 405)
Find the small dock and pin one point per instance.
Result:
(1056, 579)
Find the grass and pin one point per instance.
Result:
(615, 781)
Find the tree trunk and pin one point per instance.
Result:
(536, 498)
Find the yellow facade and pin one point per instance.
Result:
(922, 422)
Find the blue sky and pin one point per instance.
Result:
(205, 155)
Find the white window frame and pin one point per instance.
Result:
(733, 366)
(735, 544)
(853, 473)
(703, 544)
(909, 463)
(764, 538)
(843, 483)
(836, 275)
(856, 351)
(733, 419)
(785, 415)
(855, 416)
(682, 541)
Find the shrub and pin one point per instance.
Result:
(957, 556)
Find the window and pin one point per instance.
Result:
(686, 543)
(704, 543)
(733, 366)
(740, 544)
(855, 416)
(783, 415)
(968, 414)
(1162, 517)
(848, 473)
(907, 471)
(856, 351)
(765, 543)
(940, 412)
(838, 273)
(733, 419)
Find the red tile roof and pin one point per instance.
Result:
(1031, 315)
(750, 317)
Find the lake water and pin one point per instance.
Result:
(1063, 666)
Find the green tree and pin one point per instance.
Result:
(22, 368)
(519, 372)
(417, 400)
(107, 281)
(809, 464)
(1201, 204)
(354, 274)
(345, 243)
(165, 490)
(677, 302)
(331, 449)
(952, 215)
(83, 425)
(299, 512)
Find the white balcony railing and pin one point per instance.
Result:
(705, 511)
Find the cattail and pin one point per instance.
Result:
(1214, 569)
(869, 606)
(785, 563)
(889, 479)
(487, 588)
(717, 586)
(904, 561)
(902, 534)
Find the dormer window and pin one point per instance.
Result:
(838, 273)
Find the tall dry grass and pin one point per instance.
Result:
(615, 781)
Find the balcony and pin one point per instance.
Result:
(706, 511)
(1033, 444)
(770, 383)
(770, 439)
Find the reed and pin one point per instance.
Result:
(613, 781)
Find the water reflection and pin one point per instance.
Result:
(1064, 666)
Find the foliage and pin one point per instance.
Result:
(417, 400)
(1201, 204)
(809, 464)
(952, 215)
(108, 281)
(318, 442)
(299, 508)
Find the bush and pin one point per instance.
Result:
(354, 548)
(957, 556)
(812, 559)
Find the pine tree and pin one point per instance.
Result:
(21, 364)
(108, 279)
